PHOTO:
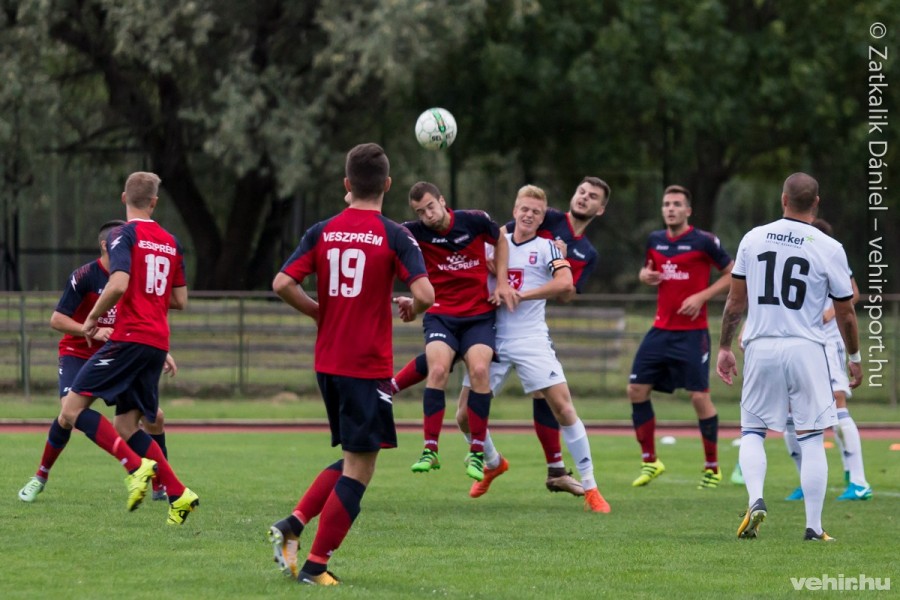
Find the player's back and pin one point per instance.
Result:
(356, 255)
(791, 269)
(154, 259)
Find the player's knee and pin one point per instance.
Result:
(565, 414)
(158, 426)
(637, 393)
(479, 375)
(438, 376)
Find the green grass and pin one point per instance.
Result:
(510, 405)
(421, 535)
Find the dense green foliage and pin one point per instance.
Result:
(246, 110)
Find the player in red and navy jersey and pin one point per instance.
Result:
(82, 289)
(568, 228)
(461, 322)
(355, 256)
(146, 266)
(675, 352)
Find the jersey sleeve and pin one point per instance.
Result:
(491, 229)
(716, 253)
(119, 245)
(555, 261)
(179, 279)
(840, 286)
(302, 261)
(739, 270)
(586, 272)
(410, 262)
(74, 292)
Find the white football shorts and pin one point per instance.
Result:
(786, 375)
(534, 360)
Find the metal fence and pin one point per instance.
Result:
(252, 344)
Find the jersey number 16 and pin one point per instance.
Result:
(788, 281)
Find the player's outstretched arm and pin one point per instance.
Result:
(503, 294)
(423, 297)
(290, 291)
(560, 286)
(179, 298)
(849, 328)
(735, 305)
(694, 303)
(114, 290)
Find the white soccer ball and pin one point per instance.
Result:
(435, 129)
(667, 440)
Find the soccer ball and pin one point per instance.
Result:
(435, 129)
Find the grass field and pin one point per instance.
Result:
(510, 405)
(421, 535)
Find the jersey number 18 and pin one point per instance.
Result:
(157, 274)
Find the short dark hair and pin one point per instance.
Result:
(596, 181)
(419, 189)
(801, 191)
(104, 230)
(823, 226)
(367, 168)
(679, 189)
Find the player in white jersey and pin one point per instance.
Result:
(536, 271)
(846, 431)
(783, 275)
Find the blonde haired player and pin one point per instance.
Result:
(537, 271)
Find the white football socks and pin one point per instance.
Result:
(753, 462)
(813, 477)
(576, 439)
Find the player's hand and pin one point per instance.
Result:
(856, 375)
(505, 295)
(692, 306)
(169, 367)
(406, 308)
(649, 274)
(828, 315)
(563, 248)
(726, 365)
(89, 329)
(102, 334)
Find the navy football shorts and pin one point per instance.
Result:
(670, 360)
(360, 412)
(126, 375)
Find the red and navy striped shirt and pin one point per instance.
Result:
(355, 256)
(456, 262)
(155, 262)
(85, 285)
(685, 263)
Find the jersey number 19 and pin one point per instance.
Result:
(348, 264)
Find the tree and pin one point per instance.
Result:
(241, 108)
